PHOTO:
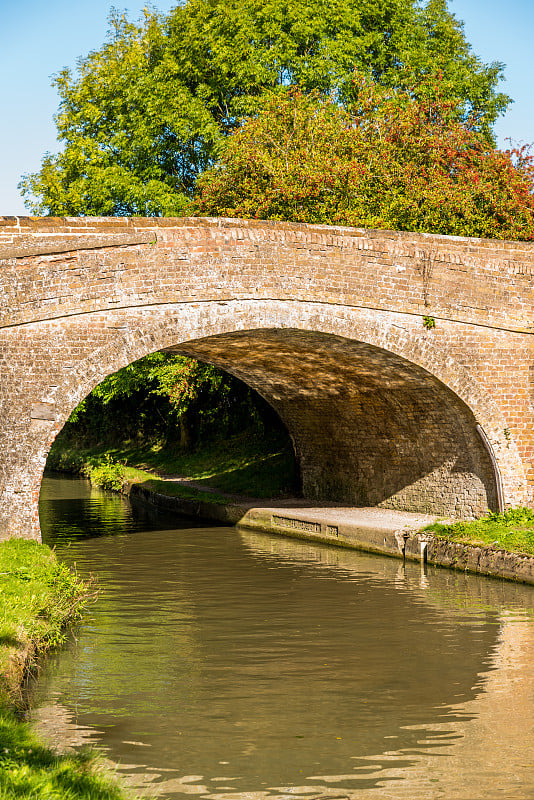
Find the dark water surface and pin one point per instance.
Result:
(232, 665)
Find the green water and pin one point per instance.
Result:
(232, 665)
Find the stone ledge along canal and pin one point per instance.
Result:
(234, 665)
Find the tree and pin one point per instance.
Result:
(146, 113)
(393, 160)
(166, 398)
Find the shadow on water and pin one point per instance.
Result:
(230, 664)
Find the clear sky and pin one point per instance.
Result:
(38, 38)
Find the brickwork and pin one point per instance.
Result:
(327, 323)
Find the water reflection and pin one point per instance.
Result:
(71, 509)
(229, 664)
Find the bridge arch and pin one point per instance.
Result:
(379, 413)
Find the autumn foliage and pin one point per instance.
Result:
(392, 160)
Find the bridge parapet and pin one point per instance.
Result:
(88, 264)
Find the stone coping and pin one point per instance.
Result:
(62, 225)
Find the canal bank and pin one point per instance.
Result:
(39, 598)
(383, 531)
(247, 484)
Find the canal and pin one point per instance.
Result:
(232, 665)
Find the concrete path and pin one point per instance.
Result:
(377, 529)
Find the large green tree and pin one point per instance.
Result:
(146, 113)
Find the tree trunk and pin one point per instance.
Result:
(185, 432)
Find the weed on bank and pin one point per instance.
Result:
(512, 530)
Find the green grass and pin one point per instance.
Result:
(38, 597)
(512, 531)
(148, 481)
(31, 771)
(242, 464)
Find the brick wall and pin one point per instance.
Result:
(327, 323)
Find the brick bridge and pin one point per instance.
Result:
(326, 323)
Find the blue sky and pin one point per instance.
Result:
(38, 38)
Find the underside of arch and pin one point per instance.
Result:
(368, 426)
(380, 410)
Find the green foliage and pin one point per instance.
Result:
(64, 459)
(512, 530)
(393, 161)
(165, 399)
(178, 415)
(38, 596)
(429, 323)
(178, 378)
(243, 463)
(129, 146)
(514, 516)
(147, 112)
(30, 771)
(108, 473)
(181, 381)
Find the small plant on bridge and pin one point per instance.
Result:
(429, 323)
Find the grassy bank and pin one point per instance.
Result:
(512, 531)
(242, 464)
(38, 597)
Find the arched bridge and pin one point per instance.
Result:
(331, 325)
